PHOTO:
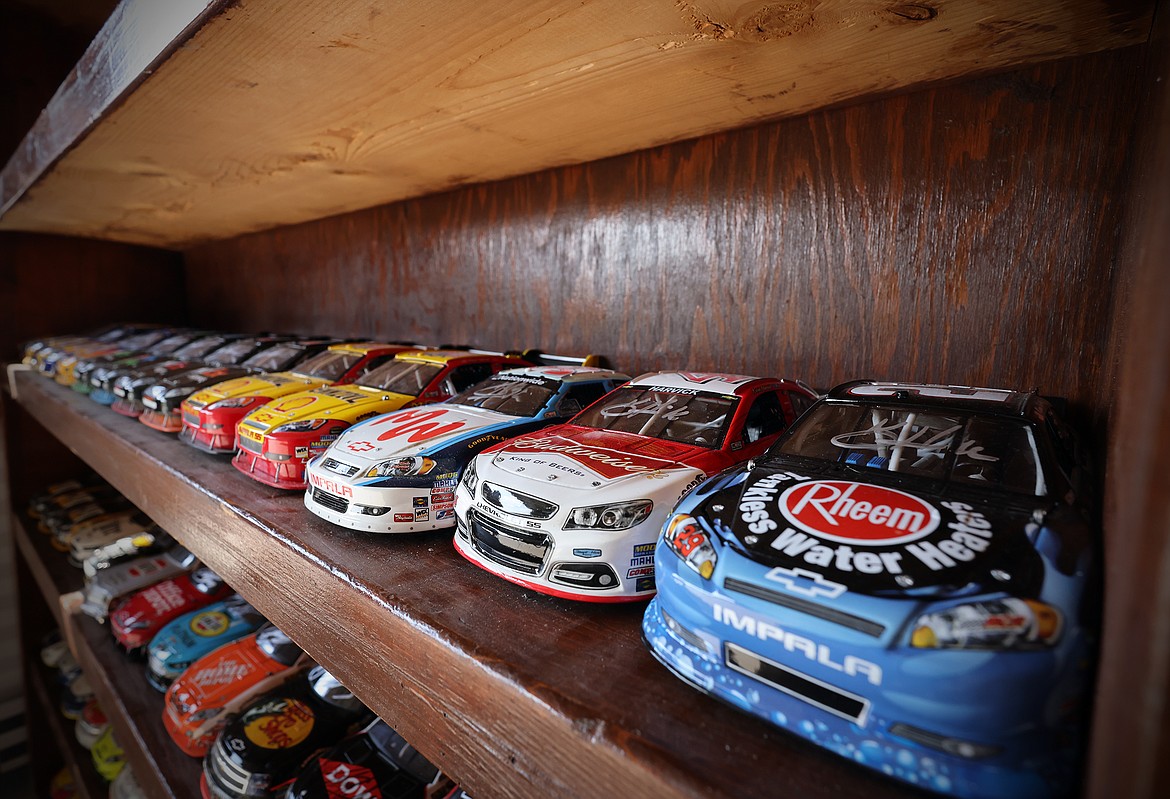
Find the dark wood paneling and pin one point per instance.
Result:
(1131, 742)
(53, 284)
(962, 234)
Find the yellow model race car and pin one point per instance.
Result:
(210, 416)
(278, 439)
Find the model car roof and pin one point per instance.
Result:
(708, 382)
(998, 401)
(566, 374)
(366, 347)
(444, 357)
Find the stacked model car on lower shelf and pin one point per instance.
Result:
(246, 701)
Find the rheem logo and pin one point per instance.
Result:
(858, 513)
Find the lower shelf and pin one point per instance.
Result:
(43, 700)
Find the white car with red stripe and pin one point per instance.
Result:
(575, 510)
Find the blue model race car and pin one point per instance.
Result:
(191, 636)
(906, 578)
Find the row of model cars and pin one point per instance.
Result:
(905, 574)
(239, 693)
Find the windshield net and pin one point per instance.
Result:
(686, 417)
(516, 395)
(977, 450)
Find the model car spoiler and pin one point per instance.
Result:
(541, 358)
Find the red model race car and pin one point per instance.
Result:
(210, 416)
(277, 440)
(135, 619)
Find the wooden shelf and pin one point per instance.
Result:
(204, 119)
(54, 575)
(77, 758)
(514, 694)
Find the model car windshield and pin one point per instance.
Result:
(199, 348)
(516, 395)
(275, 358)
(688, 418)
(402, 377)
(278, 646)
(234, 352)
(329, 365)
(975, 450)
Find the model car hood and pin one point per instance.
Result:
(412, 431)
(585, 458)
(879, 536)
(271, 384)
(203, 376)
(342, 402)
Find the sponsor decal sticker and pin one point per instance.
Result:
(279, 723)
(858, 513)
(348, 780)
(403, 517)
(642, 560)
(416, 425)
(210, 623)
(802, 581)
(442, 505)
(643, 549)
(445, 513)
(644, 584)
(644, 571)
(609, 463)
(359, 446)
(420, 502)
(422, 515)
(587, 553)
(331, 486)
(442, 496)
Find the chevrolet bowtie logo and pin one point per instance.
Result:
(802, 581)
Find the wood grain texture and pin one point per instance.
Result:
(514, 694)
(50, 569)
(1131, 744)
(135, 710)
(962, 234)
(281, 111)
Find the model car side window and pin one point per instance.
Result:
(275, 358)
(468, 375)
(765, 417)
(800, 402)
(579, 396)
(329, 365)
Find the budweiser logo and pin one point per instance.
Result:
(858, 513)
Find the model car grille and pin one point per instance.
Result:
(516, 503)
(806, 606)
(250, 445)
(827, 697)
(516, 549)
(338, 467)
(331, 501)
(225, 772)
(191, 418)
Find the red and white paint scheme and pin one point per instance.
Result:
(574, 510)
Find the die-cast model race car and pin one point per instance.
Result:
(104, 377)
(211, 415)
(904, 579)
(157, 342)
(77, 366)
(218, 349)
(137, 565)
(191, 636)
(135, 619)
(396, 473)
(260, 750)
(278, 439)
(374, 762)
(163, 400)
(213, 688)
(574, 510)
(84, 537)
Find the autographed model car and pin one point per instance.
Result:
(906, 578)
(163, 400)
(211, 415)
(191, 636)
(278, 439)
(135, 619)
(374, 762)
(260, 750)
(574, 510)
(396, 473)
(205, 696)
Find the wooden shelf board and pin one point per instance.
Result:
(54, 575)
(513, 693)
(261, 114)
(135, 710)
(77, 758)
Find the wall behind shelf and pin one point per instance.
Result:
(963, 233)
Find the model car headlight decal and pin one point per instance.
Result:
(302, 426)
(1008, 623)
(401, 467)
(156, 392)
(684, 537)
(614, 516)
(470, 478)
